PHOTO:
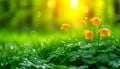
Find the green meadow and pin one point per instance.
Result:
(51, 34)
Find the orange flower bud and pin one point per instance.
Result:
(104, 32)
(95, 21)
(83, 23)
(89, 34)
(65, 26)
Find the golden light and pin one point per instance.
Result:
(51, 4)
(85, 9)
(71, 10)
(74, 4)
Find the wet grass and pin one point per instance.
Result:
(60, 51)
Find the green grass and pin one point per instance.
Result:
(58, 51)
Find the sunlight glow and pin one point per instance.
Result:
(51, 4)
(73, 10)
(74, 4)
(85, 9)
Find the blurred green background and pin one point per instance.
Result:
(48, 15)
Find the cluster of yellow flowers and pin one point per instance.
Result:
(103, 32)
(89, 35)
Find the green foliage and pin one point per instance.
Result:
(61, 54)
(30, 50)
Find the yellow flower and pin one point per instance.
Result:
(95, 21)
(104, 32)
(83, 23)
(65, 26)
(89, 34)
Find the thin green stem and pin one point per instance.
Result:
(98, 39)
(94, 35)
(99, 35)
